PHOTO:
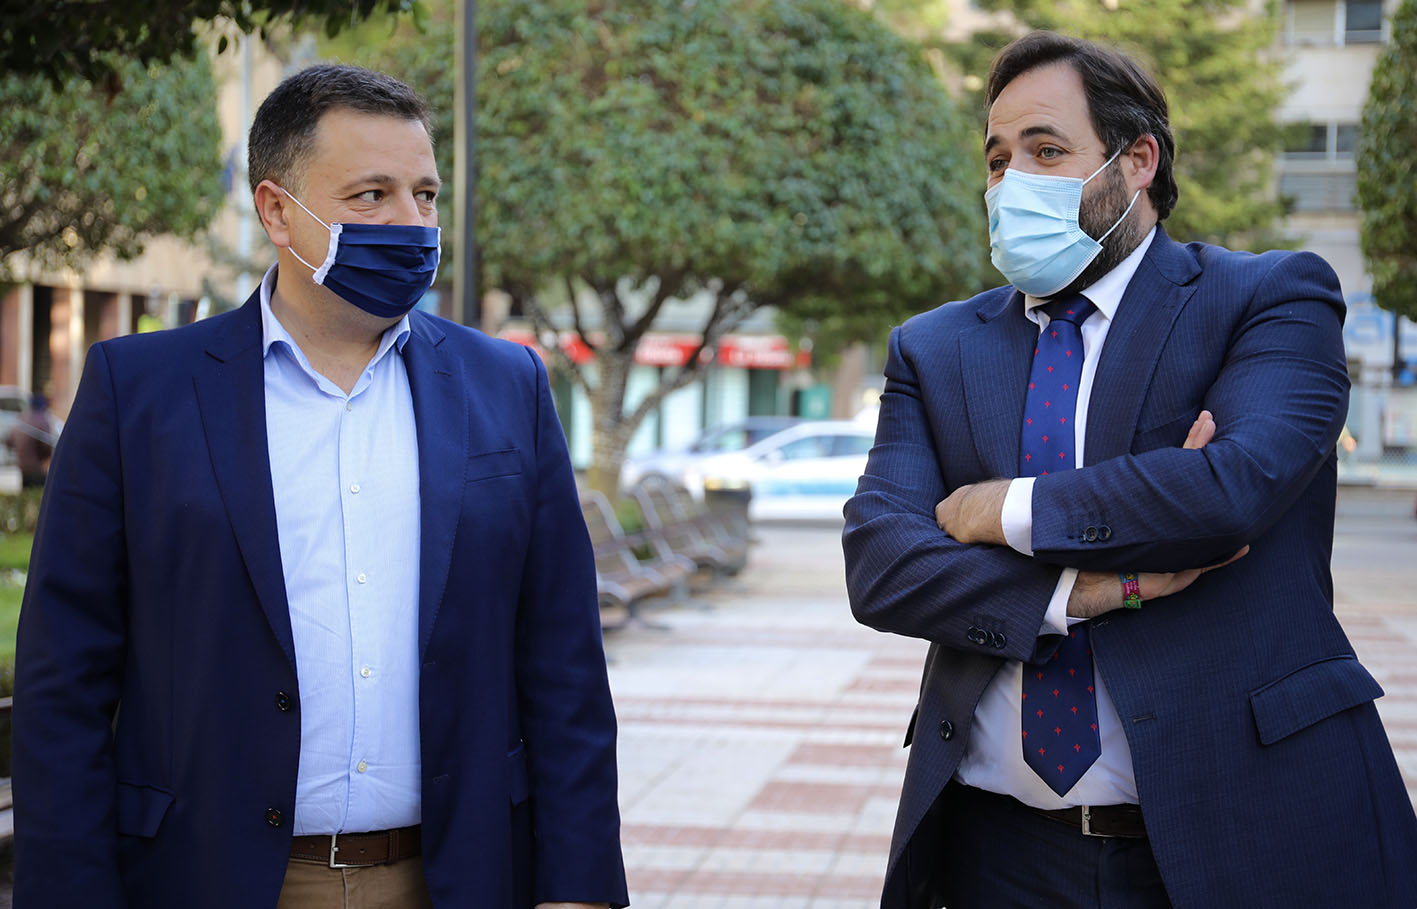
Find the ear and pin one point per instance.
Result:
(273, 208)
(1139, 162)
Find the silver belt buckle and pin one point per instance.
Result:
(1086, 823)
(334, 847)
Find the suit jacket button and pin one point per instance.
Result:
(977, 636)
(947, 730)
(1090, 535)
(273, 817)
(282, 701)
(998, 639)
(1104, 533)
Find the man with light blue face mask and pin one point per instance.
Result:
(1105, 495)
(326, 551)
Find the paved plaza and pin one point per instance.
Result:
(760, 730)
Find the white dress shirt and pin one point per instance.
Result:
(344, 471)
(994, 757)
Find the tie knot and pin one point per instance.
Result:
(1073, 309)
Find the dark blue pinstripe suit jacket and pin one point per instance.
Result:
(1264, 774)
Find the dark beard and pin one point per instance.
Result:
(1095, 216)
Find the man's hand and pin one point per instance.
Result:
(974, 513)
(1096, 592)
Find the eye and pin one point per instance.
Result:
(1049, 151)
(427, 196)
(997, 164)
(370, 195)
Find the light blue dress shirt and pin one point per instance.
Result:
(344, 471)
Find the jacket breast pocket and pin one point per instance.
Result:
(489, 465)
(1312, 693)
(141, 809)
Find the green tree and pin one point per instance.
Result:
(1214, 59)
(83, 172)
(80, 37)
(1387, 169)
(792, 153)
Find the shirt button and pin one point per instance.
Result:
(362, 767)
(354, 489)
(348, 405)
(366, 672)
(360, 577)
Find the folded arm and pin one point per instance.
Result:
(905, 576)
(1280, 399)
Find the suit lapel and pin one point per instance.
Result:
(440, 412)
(231, 397)
(995, 357)
(1154, 298)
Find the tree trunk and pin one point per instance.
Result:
(610, 432)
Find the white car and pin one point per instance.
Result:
(681, 465)
(805, 472)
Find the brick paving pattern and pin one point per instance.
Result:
(760, 758)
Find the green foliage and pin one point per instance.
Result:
(18, 513)
(82, 172)
(1387, 169)
(787, 152)
(1224, 86)
(60, 40)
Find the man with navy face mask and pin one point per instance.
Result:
(311, 619)
(1105, 495)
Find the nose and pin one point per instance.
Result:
(404, 209)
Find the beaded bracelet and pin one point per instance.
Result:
(1131, 590)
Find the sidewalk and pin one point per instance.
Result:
(760, 739)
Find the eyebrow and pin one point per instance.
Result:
(1028, 133)
(387, 180)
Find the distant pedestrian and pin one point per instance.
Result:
(32, 441)
(1216, 744)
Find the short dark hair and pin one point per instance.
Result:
(1123, 100)
(283, 131)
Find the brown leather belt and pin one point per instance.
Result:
(1100, 820)
(358, 850)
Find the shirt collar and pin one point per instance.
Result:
(1106, 292)
(272, 331)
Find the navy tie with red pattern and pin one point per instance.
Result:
(1059, 706)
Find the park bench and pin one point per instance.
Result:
(623, 580)
(686, 529)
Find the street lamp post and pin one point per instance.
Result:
(466, 296)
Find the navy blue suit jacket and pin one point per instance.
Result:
(1264, 774)
(154, 762)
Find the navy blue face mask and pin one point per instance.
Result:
(384, 269)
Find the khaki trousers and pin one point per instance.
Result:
(397, 886)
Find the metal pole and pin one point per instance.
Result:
(466, 296)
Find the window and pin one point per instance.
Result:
(1321, 142)
(1321, 191)
(1307, 142)
(850, 445)
(808, 447)
(1363, 22)
(1310, 21)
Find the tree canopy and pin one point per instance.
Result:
(793, 153)
(83, 172)
(1224, 86)
(1386, 159)
(78, 37)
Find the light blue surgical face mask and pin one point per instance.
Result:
(384, 269)
(1034, 236)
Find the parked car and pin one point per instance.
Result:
(678, 464)
(804, 472)
(13, 402)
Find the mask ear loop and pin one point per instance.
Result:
(334, 229)
(1136, 195)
